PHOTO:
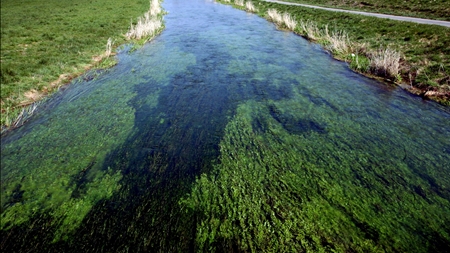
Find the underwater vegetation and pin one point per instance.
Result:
(225, 134)
(287, 184)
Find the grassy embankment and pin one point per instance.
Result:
(413, 55)
(45, 44)
(434, 9)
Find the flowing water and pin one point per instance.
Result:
(225, 134)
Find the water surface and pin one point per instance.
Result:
(225, 134)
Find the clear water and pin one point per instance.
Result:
(225, 134)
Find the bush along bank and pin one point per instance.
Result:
(416, 57)
(25, 85)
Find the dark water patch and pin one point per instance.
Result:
(15, 197)
(294, 125)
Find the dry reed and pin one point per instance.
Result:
(239, 2)
(289, 22)
(385, 62)
(250, 7)
(275, 16)
(147, 25)
(155, 8)
(109, 44)
(310, 30)
(339, 43)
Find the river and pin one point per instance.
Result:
(226, 134)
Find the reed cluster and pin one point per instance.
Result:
(276, 17)
(250, 7)
(282, 20)
(385, 62)
(239, 2)
(382, 62)
(147, 25)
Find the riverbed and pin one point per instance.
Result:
(226, 134)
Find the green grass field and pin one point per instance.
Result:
(42, 40)
(430, 9)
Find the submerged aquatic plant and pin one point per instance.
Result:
(274, 190)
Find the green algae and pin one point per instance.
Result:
(275, 191)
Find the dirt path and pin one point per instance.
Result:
(400, 18)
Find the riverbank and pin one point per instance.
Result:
(46, 44)
(413, 56)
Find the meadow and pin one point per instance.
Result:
(434, 9)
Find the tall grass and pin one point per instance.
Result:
(416, 54)
(239, 2)
(147, 25)
(385, 62)
(339, 43)
(276, 17)
(109, 44)
(155, 7)
(310, 30)
(289, 21)
(250, 7)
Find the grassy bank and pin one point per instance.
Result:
(412, 55)
(435, 9)
(45, 44)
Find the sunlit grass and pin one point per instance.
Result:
(45, 44)
(239, 2)
(434, 9)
